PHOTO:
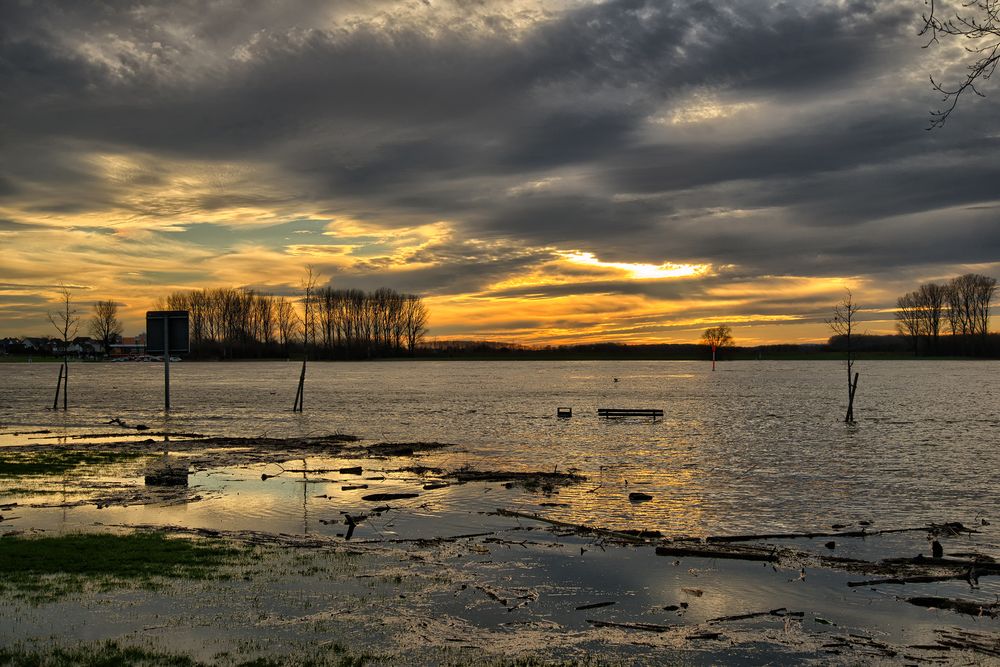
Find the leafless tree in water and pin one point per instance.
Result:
(66, 320)
(309, 329)
(843, 323)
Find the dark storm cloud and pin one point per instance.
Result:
(394, 115)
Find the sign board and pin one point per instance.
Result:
(170, 323)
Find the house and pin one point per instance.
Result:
(34, 345)
(84, 346)
(129, 346)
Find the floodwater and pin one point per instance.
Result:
(755, 447)
(752, 447)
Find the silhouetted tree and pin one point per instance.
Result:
(717, 338)
(969, 298)
(287, 322)
(932, 299)
(309, 329)
(67, 322)
(415, 317)
(339, 323)
(910, 319)
(105, 324)
(843, 324)
(976, 23)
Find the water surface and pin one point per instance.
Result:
(752, 447)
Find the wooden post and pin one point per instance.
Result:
(713, 357)
(166, 364)
(850, 402)
(55, 401)
(300, 394)
(65, 380)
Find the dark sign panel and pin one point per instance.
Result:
(176, 330)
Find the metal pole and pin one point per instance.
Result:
(166, 364)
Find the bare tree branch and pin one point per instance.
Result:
(978, 23)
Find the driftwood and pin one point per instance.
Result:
(964, 640)
(378, 497)
(916, 579)
(625, 536)
(595, 605)
(970, 607)
(403, 448)
(781, 612)
(979, 567)
(554, 478)
(648, 627)
(708, 551)
(793, 536)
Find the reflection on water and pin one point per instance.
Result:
(755, 446)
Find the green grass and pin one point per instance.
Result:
(111, 654)
(105, 654)
(42, 569)
(57, 461)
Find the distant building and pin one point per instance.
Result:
(34, 345)
(129, 346)
(85, 346)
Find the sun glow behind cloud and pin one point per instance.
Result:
(639, 271)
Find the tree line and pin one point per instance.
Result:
(960, 308)
(231, 322)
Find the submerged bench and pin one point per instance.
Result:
(622, 413)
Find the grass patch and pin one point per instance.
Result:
(111, 654)
(58, 461)
(105, 654)
(42, 569)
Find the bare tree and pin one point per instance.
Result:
(105, 325)
(969, 298)
(716, 338)
(976, 23)
(909, 318)
(286, 320)
(985, 288)
(66, 320)
(414, 321)
(933, 299)
(309, 327)
(843, 324)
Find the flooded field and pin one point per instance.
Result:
(752, 447)
(495, 526)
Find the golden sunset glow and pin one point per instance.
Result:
(636, 194)
(639, 271)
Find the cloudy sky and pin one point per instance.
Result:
(539, 172)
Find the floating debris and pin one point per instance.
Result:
(380, 497)
(595, 605)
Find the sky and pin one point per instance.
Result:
(540, 172)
